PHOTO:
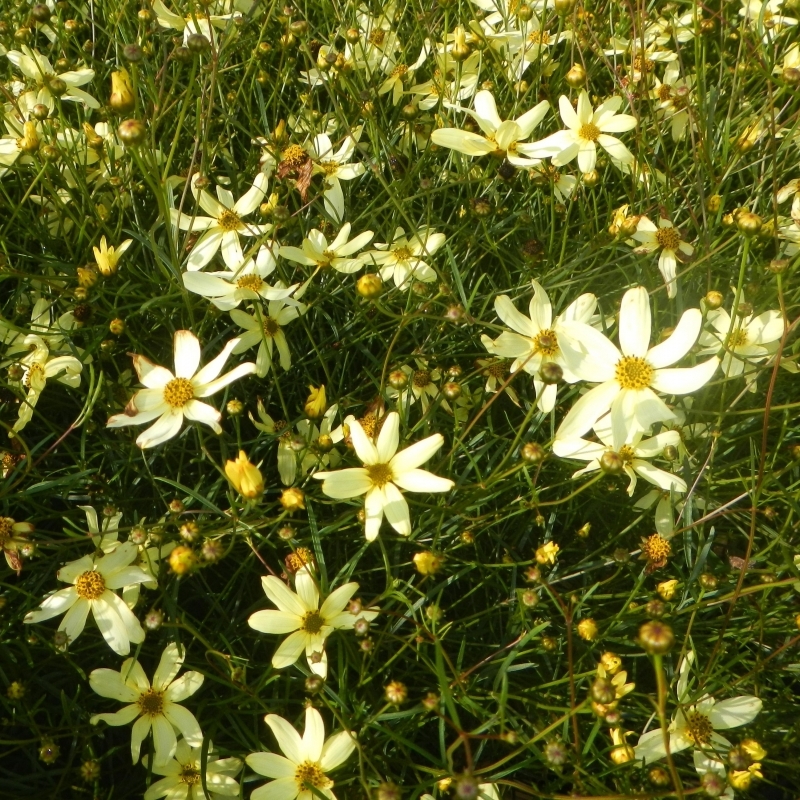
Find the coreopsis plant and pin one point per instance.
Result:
(404, 259)
(307, 622)
(94, 582)
(665, 239)
(265, 329)
(50, 84)
(385, 472)
(13, 538)
(302, 771)
(316, 252)
(586, 129)
(743, 341)
(154, 706)
(335, 167)
(183, 776)
(170, 398)
(630, 376)
(220, 231)
(539, 340)
(504, 138)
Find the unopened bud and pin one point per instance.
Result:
(370, 286)
(611, 463)
(656, 637)
(122, 98)
(748, 223)
(576, 76)
(293, 499)
(131, 132)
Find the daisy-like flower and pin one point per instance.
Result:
(183, 778)
(422, 384)
(223, 228)
(744, 343)
(95, 580)
(12, 538)
(199, 21)
(170, 397)
(49, 83)
(563, 184)
(403, 259)
(384, 473)
(630, 377)
(531, 43)
(308, 623)
(107, 257)
(39, 365)
(764, 18)
(643, 60)
(247, 281)
(439, 88)
(302, 771)
(630, 454)
(503, 139)
(539, 339)
(335, 166)
(496, 372)
(155, 707)
(585, 130)
(22, 140)
(674, 95)
(696, 723)
(665, 238)
(398, 73)
(266, 331)
(316, 252)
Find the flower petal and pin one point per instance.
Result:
(396, 510)
(185, 722)
(734, 712)
(187, 354)
(680, 342)
(337, 750)
(271, 765)
(290, 649)
(281, 789)
(109, 683)
(313, 734)
(684, 381)
(277, 622)
(416, 454)
(345, 483)
(388, 438)
(419, 480)
(282, 596)
(288, 738)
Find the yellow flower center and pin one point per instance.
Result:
(546, 343)
(497, 370)
(402, 253)
(642, 64)
(539, 37)
(633, 372)
(178, 392)
(656, 548)
(699, 728)
(90, 585)
(626, 454)
(379, 474)
(271, 327)
(294, 156)
(664, 92)
(229, 220)
(668, 238)
(329, 167)
(377, 36)
(309, 773)
(589, 132)
(312, 622)
(369, 422)
(151, 702)
(738, 339)
(251, 282)
(326, 258)
(422, 378)
(189, 775)
(399, 71)
(6, 530)
(35, 375)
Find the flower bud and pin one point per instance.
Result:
(293, 499)
(198, 43)
(667, 589)
(587, 629)
(182, 560)
(655, 608)
(708, 581)
(551, 373)
(555, 753)
(622, 754)
(370, 286)
(452, 390)
(532, 453)
(117, 326)
(466, 788)
(316, 404)
(398, 379)
(714, 203)
(656, 637)
(713, 300)
(131, 132)
(122, 98)
(748, 223)
(659, 777)
(40, 12)
(427, 563)
(603, 691)
(592, 178)
(245, 477)
(611, 463)
(395, 692)
(576, 76)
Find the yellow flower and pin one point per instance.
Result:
(427, 563)
(547, 553)
(122, 98)
(622, 752)
(316, 404)
(609, 663)
(245, 477)
(742, 778)
(753, 749)
(587, 629)
(107, 257)
(667, 589)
